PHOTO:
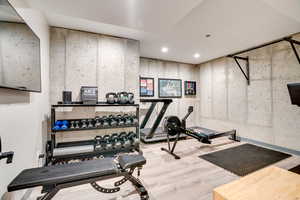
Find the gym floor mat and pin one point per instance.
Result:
(296, 169)
(244, 159)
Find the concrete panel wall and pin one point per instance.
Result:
(261, 111)
(163, 69)
(87, 59)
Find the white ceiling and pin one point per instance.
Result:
(180, 25)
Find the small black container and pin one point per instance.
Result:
(67, 97)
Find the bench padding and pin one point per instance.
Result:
(131, 161)
(59, 174)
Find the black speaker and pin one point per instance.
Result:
(67, 97)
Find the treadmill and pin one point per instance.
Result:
(155, 133)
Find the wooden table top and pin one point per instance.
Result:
(271, 183)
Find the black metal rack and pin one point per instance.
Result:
(52, 144)
(246, 59)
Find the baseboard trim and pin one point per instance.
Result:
(271, 146)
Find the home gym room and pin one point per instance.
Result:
(148, 99)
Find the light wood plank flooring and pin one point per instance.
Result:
(189, 178)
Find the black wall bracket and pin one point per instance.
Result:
(293, 42)
(245, 73)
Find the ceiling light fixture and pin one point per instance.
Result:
(164, 49)
(196, 55)
(207, 35)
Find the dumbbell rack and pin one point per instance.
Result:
(52, 144)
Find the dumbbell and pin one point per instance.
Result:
(98, 143)
(116, 141)
(124, 140)
(72, 124)
(57, 125)
(107, 142)
(77, 125)
(90, 125)
(133, 138)
(65, 125)
(112, 120)
(127, 119)
(98, 122)
(134, 119)
(120, 120)
(105, 121)
(83, 123)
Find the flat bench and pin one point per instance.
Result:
(54, 178)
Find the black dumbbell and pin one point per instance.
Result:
(77, 125)
(90, 123)
(121, 120)
(98, 122)
(124, 140)
(83, 123)
(127, 119)
(112, 120)
(116, 141)
(107, 142)
(98, 143)
(132, 136)
(105, 121)
(134, 119)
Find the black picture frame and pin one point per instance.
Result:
(190, 88)
(160, 93)
(146, 94)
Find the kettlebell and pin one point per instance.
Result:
(111, 98)
(122, 97)
(130, 98)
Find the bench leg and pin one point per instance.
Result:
(139, 187)
(49, 195)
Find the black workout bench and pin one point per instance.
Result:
(55, 178)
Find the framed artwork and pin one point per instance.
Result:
(169, 88)
(146, 87)
(190, 87)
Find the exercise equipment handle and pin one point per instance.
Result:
(183, 121)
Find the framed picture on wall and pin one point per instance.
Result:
(146, 87)
(169, 88)
(190, 87)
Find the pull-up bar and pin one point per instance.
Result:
(247, 73)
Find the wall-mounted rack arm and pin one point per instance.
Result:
(247, 73)
(293, 42)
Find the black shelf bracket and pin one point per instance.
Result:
(293, 42)
(246, 59)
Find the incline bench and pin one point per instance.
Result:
(54, 178)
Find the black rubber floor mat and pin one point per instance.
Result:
(296, 169)
(244, 159)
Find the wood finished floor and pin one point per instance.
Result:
(165, 178)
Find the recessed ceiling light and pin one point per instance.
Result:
(196, 55)
(164, 49)
(207, 35)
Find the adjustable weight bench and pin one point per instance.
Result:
(55, 178)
